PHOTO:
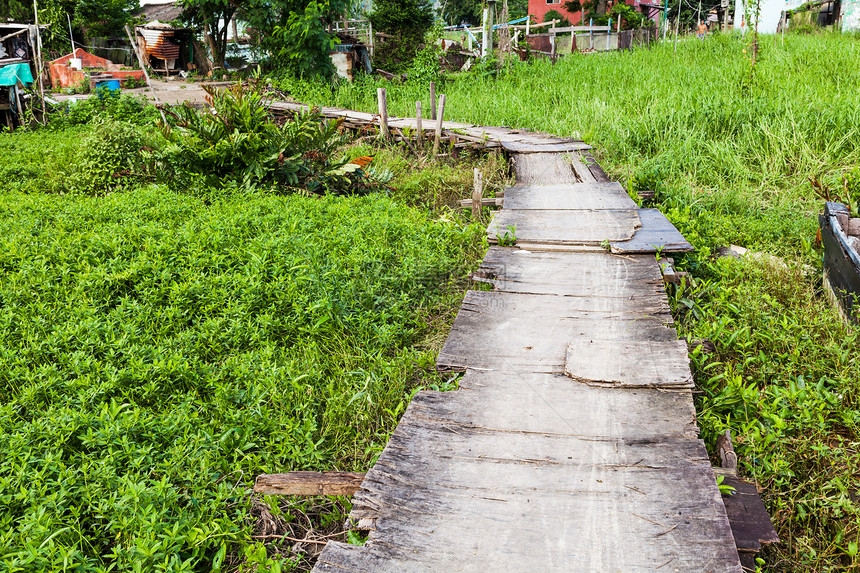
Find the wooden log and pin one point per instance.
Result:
(439, 121)
(477, 194)
(309, 483)
(419, 126)
(383, 112)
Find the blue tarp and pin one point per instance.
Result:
(12, 74)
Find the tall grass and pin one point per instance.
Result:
(730, 152)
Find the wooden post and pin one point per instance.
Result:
(438, 139)
(383, 112)
(477, 194)
(39, 67)
(529, 25)
(433, 101)
(145, 73)
(484, 33)
(20, 105)
(419, 126)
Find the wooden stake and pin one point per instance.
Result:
(433, 101)
(20, 106)
(383, 112)
(39, 67)
(419, 126)
(438, 139)
(477, 194)
(145, 74)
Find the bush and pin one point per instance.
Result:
(556, 15)
(108, 159)
(109, 105)
(237, 145)
(409, 21)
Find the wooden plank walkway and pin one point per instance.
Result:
(571, 444)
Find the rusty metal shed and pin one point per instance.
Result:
(167, 49)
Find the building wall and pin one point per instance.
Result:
(851, 15)
(539, 8)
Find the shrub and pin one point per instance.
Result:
(237, 145)
(556, 15)
(409, 21)
(108, 159)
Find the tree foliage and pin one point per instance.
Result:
(294, 33)
(214, 17)
(408, 21)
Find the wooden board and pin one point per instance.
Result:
(577, 487)
(614, 363)
(529, 333)
(519, 147)
(578, 274)
(585, 227)
(544, 169)
(656, 233)
(568, 196)
(308, 483)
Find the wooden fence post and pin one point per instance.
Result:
(477, 194)
(433, 100)
(439, 125)
(383, 112)
(419, 126)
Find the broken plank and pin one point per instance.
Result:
(585, 227)
(637, 363)
(749, 519)
(657, 233)
(543, 169)
(569, 196)
(308, 483)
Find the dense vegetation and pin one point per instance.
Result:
(730, 152)
(161, 348)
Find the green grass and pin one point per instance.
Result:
(159, 351)
(731, 156)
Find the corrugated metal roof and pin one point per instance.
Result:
(159, 43)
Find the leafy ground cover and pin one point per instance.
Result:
(161, 348)
(730, 153)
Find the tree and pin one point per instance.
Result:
(408, 21)
(103, 18)
(214, 17)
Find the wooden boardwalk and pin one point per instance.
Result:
(571, 444)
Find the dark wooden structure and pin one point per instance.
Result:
(840, 235)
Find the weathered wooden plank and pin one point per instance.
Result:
(529, 333)
(580, 274)
(750, 522)
(568, 196)
(584, 227)
(614, 363)
(588, 495)
(657, 233)
(308, 483)
(522, 147)
(543, 169)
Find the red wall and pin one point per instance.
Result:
(538, 8)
